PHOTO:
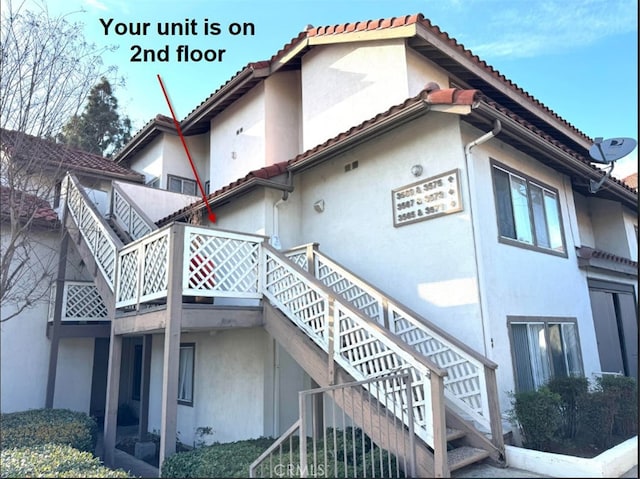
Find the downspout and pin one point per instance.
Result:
(286, 189)
(497, 127)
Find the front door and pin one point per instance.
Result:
(615, 319)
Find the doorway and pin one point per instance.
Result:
(615, 318)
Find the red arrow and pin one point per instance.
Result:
(212, 216)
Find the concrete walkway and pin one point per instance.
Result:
(487, 470)
(131, 464)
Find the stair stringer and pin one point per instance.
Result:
(315, 362)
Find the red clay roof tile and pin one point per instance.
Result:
(26, 206)
(59, 156)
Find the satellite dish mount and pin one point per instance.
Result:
(607, 152)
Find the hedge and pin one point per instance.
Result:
(41, 426)
(53, 460)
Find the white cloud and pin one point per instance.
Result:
(525, 29)
(96, 4)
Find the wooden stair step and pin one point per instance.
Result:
(463, 456)
(453, 434)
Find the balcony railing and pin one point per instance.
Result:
(128, 216)
(80, 302)
(215, 263)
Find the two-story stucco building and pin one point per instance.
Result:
(377, 189)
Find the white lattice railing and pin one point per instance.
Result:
(127, 215)
(221, 264)
(215, 263)
(80, 302)
(467, 371)
(101, 241)
(143, 269)
(355, 342)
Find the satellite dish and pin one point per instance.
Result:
(607, 152)
(612, 149)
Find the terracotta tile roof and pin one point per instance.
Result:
(431, 95)
(631, 181)
(26, 206)
(59, 156)
(587, 253)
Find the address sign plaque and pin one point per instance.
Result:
(426, 199)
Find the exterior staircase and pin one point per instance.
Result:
(336, 326)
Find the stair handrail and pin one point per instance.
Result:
(488, 413)
(426, 374)
(119, 200)
(287, 435)
(99, 237)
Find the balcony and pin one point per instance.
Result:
(210, 277)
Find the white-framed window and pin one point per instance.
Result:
(542, 349)
(181, 185)
(528, 212)
(185, 373)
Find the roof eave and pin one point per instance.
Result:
(458, 54)
(561, 158)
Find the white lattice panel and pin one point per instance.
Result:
(463, 382)
(297, 299)
(365, 353)
(128, 218)
(139, 226)
(155, 275)
(363, 300)
(220, 264)
(128, 278)
(94, 232)
(299, 258)
(82, 302)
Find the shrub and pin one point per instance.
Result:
(571, 391)
(597, 411)
(538, 413)
(624, 393)
(217, 460)
(53, 460)
(40, 426)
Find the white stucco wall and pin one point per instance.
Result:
(283, 114)
(74, 374)
(428, 265)
(347, 83)
(421, 71)
(609, 228)
(149, 161)
(24, 359)
(156, 203)
(24, 347)
(176, 162)
(630, 219)
(233, 386)
(238, 139)
(520, 282)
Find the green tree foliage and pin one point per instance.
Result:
(99, 128)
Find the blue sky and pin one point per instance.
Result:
(578, 57)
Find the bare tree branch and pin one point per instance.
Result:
(47, 69)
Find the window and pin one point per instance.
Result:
(543, 348)
(181, 185)
(185, 374)
(528, 212)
